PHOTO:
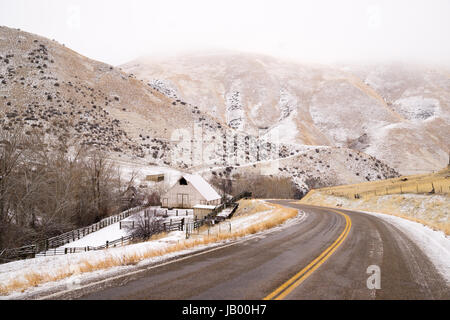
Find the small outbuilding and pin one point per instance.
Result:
(188, 191)
(202, 210)
(155, 177)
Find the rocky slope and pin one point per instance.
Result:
(51, 90)
(62, 95)
(312, 167)
(397, 113)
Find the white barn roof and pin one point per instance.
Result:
(202, 186)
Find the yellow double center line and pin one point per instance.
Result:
(298, 278)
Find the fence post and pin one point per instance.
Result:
(120, 225)
(65, 251)
(177, 212)
(107, 243)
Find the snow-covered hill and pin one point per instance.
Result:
(63, 96)
(395, 112)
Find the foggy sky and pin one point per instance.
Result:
(323, 31)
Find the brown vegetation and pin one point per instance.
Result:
(261, 187)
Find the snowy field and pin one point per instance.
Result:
(114, 232)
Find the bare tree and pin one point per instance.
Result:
(223, 185)
(265, 186)
(45, 191)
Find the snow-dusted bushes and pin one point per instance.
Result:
(46, 191)
(263, 187)
(144, 228)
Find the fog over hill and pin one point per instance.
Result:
(240, 116)
(396, 112)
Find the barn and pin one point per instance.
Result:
(188, 191)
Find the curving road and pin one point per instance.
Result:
(326, 256)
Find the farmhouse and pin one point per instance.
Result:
(188, 191)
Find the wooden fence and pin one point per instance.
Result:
(62, 239)
(52, 244)
(14, 253)
(109, 244)
(439, 186)
(165, 227)
(77, 234)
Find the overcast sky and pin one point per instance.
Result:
(117, 31)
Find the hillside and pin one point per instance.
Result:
(313, 167)
(55, 92)
(50, 89)
(64, 96)
(397, 113)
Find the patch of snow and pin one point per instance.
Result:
(287, 104)
(435, 244)
(285, 131)
(165, 87)
(234, 108)
(417, 107)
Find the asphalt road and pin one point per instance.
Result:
(326, 256)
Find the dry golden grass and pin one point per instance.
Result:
(387, 196)
(34, 279)
(430, 210)
(3, 290)
(14, 285)
(251, 206)
(277, 216)
(438, 183)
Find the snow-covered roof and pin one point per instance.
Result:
(204, 206)
(202, 186)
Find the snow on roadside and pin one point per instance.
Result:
(435, 244)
